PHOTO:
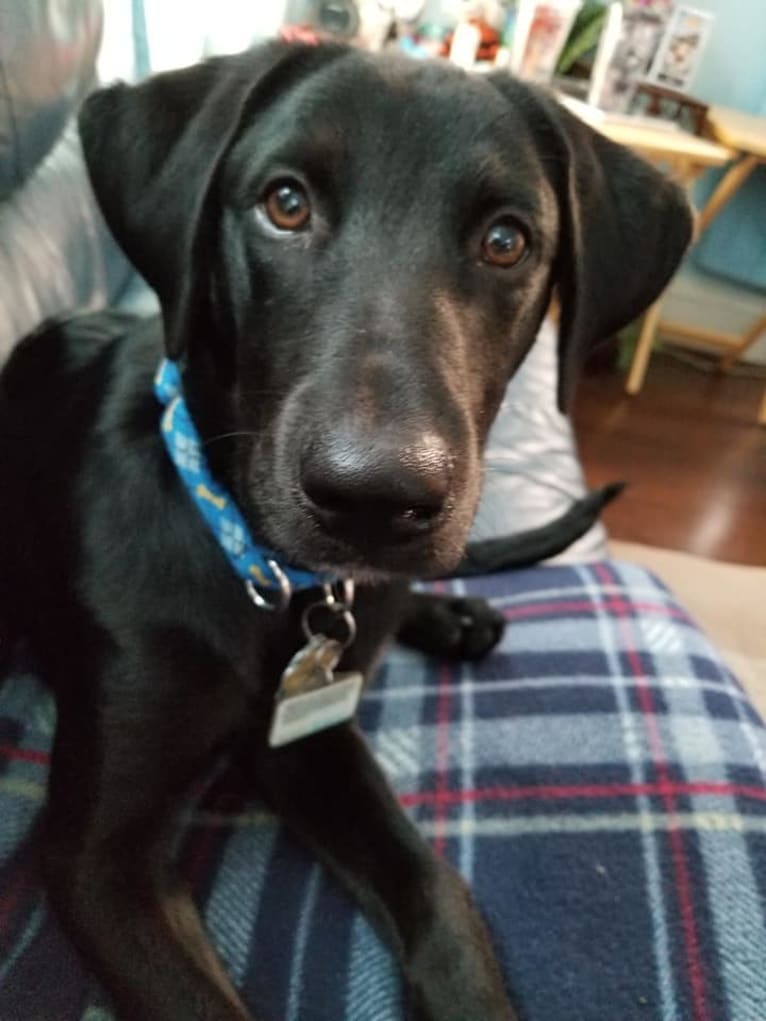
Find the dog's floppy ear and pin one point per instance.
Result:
(624, 227)
(152, 151)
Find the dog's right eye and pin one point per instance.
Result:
(287, 206)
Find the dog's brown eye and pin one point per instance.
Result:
(287, 206)
(504, 244)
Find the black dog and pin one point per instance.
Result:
(353, 255)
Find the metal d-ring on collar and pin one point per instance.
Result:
(284, 592)
(346, 592)
(340, 604)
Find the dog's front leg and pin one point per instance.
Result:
(331, 792)
(121, 759)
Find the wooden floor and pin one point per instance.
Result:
(691, 450)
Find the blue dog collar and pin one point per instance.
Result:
(258, 566)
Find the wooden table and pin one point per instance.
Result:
(743, 138)
(686, 156)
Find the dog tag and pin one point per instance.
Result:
(311, 696)
(297, 716)
(311, 667)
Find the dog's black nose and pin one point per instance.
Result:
(395, 483)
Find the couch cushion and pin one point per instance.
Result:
(56, 253)
(600, 781)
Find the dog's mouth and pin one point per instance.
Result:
(374, 546)
(415, 555)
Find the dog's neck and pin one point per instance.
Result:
(268, 580)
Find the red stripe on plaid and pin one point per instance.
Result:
(539, 792)
(562, 792)
(617, 607)
(683, 883)
(11, 752)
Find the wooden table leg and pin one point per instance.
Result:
(747, 340)
(731, 181)
(643, 350)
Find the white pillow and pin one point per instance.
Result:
(532, 473)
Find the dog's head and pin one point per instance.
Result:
(353, 255)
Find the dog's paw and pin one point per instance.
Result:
(471, 627)
(451, 626)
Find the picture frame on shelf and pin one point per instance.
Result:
(541, 32)
(639, 35)
(681, 49)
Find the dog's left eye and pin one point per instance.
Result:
(504, 244)
(287, 205)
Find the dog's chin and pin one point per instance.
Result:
(434, 555)
(366, 569)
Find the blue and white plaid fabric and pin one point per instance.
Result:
(184, 446)
(600, 781)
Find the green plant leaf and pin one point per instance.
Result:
(584, 36)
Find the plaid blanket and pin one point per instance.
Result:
(600, 781)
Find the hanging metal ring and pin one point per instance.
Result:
(340, 612)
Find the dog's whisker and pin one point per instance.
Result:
(251, 434)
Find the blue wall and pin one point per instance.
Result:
(733, 68)
(733, 73)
